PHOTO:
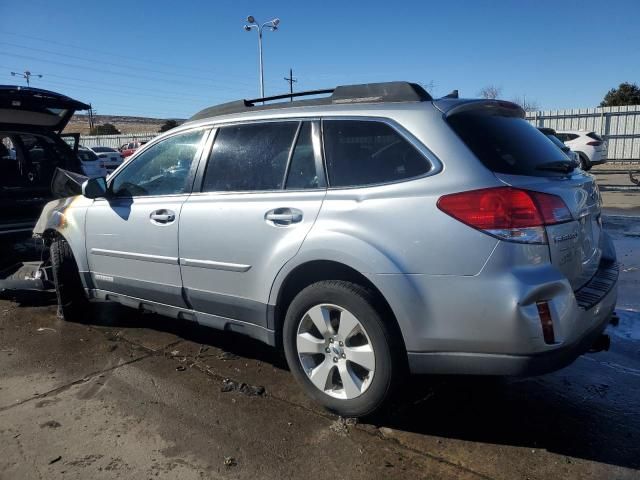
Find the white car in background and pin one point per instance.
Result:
(110, 158)
(91, 165)
(552, 135)
(590, 147)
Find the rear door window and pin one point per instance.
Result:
(302, 169)
(360, 153)
(251, 157)
(507, 144)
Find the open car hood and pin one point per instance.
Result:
(36, 107)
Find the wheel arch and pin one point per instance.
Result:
(312, 271)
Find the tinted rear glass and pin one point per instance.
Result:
(505, 144)
(362, 153)
(595, 136)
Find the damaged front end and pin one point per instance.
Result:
(35, 276)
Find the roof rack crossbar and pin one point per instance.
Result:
(289, 95)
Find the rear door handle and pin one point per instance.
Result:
(283, 216)
(162, 216)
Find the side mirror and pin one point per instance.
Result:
(95, 188)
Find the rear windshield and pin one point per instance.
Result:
(506, 144)
(595, 136)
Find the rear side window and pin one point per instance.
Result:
(506, 144)
(367, 153)
(594, 136)
(249, 157)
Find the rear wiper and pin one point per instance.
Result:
(559, 166)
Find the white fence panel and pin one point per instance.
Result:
(619, 126)
(115, 141)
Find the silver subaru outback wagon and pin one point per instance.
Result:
(370, 232)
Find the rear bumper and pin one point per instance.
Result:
(491, 325)
(501, 364)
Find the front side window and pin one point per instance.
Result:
(249, 157)
(163, 169)
(362, 153)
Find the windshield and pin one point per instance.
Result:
(506, 144)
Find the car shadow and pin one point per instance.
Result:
(117, 316)
(563, 413)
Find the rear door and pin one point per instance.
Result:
(523, 157)
(132, 235)
(260, 194)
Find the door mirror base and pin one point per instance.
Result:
(95, 188)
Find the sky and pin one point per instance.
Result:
(170, 59)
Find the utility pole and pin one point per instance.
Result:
(91, 113)
(26, 75)
(291, 81)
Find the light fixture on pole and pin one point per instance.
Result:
(253, 24)
(26, 75)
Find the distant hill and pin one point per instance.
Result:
(80, 123)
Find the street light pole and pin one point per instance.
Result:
(253, 24)
(26, 75)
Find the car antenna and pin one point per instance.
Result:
(453, 94)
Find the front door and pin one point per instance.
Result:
(132, 235)
(260, 195)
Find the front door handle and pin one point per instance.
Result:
(162, 216)
(283, 216)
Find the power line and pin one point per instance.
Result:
(119, 65)
(126, 75)
(118, 55)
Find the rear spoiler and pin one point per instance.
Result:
(493, 107)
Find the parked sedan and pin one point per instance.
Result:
(128, 149)
(591, 147)
(91, 165)
(110, 158)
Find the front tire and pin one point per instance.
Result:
(72, 301)
(339, 348)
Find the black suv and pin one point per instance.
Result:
(31, 148)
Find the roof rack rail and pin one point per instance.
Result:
(343, 94)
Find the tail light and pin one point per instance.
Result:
(508, 213)
(594, 144)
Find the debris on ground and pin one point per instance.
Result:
(230, 462)
(227, 356)
(44, 329)
(229, 385)
(51, 424)
(54, 460)
(181, 368)
(341, 425)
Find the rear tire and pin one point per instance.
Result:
(72, 301)
(584, 162)
(355, 332)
